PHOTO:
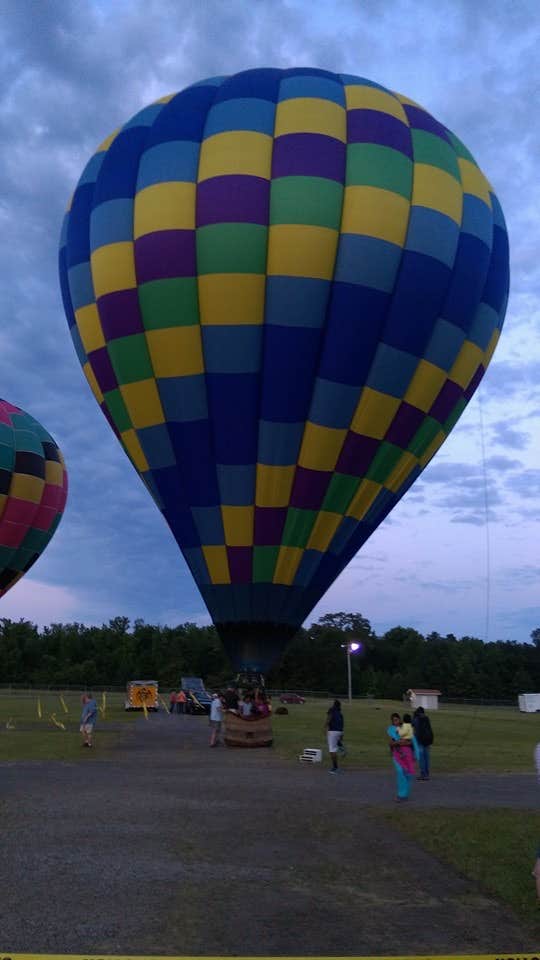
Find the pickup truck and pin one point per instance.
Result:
(198, 698)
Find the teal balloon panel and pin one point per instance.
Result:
(33, 491)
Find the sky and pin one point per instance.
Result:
(460, 553)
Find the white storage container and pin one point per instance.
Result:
(529, 702)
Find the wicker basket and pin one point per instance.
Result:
(240, 732)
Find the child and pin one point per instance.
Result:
(405, 730)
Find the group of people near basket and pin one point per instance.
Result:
(409, 740)
(249, 704)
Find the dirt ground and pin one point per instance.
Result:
(171, 848)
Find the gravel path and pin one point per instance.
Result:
(172, 848)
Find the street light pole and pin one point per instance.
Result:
(352, 647)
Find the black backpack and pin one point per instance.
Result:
(424, 733)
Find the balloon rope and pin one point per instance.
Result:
(486, 515)
(465, 736)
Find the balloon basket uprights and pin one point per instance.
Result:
(249, 679)
(247, 733)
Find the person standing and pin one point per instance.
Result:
(246, 706)
(181, 701)
(402, 754)
(231, 698)
(424, 738)
(334, 731)
(216, 717)
(88, 718)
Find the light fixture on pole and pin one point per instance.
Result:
(352, 647)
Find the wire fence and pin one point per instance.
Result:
(7, 688)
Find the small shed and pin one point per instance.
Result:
(428, 699)
(529, 702)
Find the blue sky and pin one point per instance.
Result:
(70, 73)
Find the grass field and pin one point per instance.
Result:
(24, 735)
(495, 848)
(483, 739)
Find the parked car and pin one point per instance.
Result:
(291, 698)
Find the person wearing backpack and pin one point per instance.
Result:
(424, 738)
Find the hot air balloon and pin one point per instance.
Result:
(33, 490)
(284, 287)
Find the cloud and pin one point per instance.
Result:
(502, 464)
(525, 484)
(41, 603)
(512, 378)
(507, 436)
(525, 574)
(448, 473)
(475, 519)
(522, 621)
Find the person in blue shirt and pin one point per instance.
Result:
(88, 718)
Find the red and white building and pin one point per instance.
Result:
(428, 699)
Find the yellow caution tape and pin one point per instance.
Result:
(163, 704)
(64, 704)
(39, 710)
(103, 703)
(517, 955)
(56, 722)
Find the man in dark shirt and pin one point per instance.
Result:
(424, 739)
(231, 698)
(334, 732)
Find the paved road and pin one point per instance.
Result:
(172, 848)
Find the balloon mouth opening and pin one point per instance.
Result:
(255, 647)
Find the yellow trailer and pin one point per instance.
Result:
(140, 694)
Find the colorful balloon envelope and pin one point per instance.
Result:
(33, 490)
(284, 287)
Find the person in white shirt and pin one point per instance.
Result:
(216, 717)
(246, 706)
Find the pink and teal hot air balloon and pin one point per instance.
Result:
(284, 287)
(33, 490)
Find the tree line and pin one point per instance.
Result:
(73, 654)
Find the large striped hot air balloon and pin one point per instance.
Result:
(284, 287)
(33, 490)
